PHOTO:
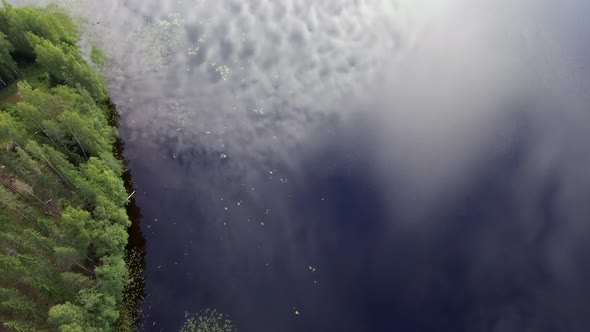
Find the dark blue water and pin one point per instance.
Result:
(331, 244)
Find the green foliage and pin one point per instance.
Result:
(98, 57)
(68, 317)
(34, 74)
(38, 176)
(101, 309)
(75, 282)
(49, 23)
(19, 326)
(11, 300)
(99, 180)
(8, 66)
(65, 65)
(69, 117)
(12, 269)
(63, 225)
(112, 274)
(66, 257)
(12, 24)
(10, 129)
(78, 227)
(54, 160)
(209, 320)
(26, 240)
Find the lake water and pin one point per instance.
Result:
(345, 165)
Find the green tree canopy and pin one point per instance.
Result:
(63, 224)
(49, 23)
(8, 67)
(65, 65)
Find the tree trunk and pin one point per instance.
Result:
(49, 136)
(51, 165)
(20, 213)
(92, 273)
(80, 145)
(46, 204)
(127, 199)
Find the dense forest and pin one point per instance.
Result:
(63, 224)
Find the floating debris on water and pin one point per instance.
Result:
(258, 111)
(194, 51)
(223, 71)
(172, 20)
